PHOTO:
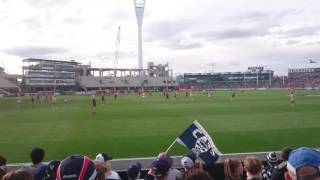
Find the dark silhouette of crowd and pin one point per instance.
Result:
(299, 164)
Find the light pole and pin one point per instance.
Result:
(139, 7)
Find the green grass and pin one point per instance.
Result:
(136, 127)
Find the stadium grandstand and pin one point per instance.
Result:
(308, 78)
(8, 83)
(57, 75)
(48, 75)
(254, 77)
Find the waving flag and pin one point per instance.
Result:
(199, 142)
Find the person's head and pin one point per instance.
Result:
(272, 158)
(37, 155)
(52, 169)
(304, 164)
(3, 167)
(106, 159)
(3, 161)
(133, 171)
(167, 157)
(253, 165)
(195, 174)
(233, 169)
(285, 152)
(18, 175)
(187, 162)
(76, 167)
(160, 168)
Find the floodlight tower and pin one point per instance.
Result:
(139, 7)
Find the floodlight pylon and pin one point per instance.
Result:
(139, 8)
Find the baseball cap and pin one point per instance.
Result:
(76, 167)
(160, 166)
(134, 170)
(272, 157)
(103, 157)
(303, 157)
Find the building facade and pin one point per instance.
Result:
(49, 75)
(254, 77)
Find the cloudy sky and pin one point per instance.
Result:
(192, 35)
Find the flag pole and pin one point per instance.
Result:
(171, 145)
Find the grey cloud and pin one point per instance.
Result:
(302, 31)
(231, 34)
(180, 45)
(286, 13)
(119, 14)
(251, 16)
(34, 51)
(258, 31)
(72, 20)
(260, 16)
(111, 55)
(46, 3)
(170, 34)
(30, 23)
(297, 57)
(164, 30)
(291, 42)
(312, 43)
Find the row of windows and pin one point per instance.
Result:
(304, 70)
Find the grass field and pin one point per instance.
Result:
(137, 127)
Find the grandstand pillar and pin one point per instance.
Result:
(244, 80)
(270, 79)
(257, 79)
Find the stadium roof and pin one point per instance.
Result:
(48, 60)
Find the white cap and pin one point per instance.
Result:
(187, 162)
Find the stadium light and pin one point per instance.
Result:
(139, 7)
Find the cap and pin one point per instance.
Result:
(76, 167)
(103, 157)
(303, 157)
(134, 170)
(160, 166)
(187, 162)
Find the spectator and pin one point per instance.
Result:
(101, 170)
(173, 173)
(269, 165)
(76, 167)
(303, 164)
(188, 161)
(133, 171)
(18, 175)
(106, 159)
(3, 167)
(253, 166)
(197, 174)
(37, 168)
(159, 169)
(281, 169)
(233, 169)
(51, 170)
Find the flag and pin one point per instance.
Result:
(199, 142)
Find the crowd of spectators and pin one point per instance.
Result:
(299, 164)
